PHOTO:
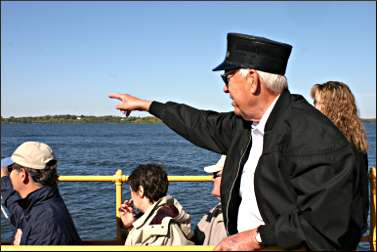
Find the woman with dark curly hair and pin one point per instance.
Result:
(335, 100)
(163, 220)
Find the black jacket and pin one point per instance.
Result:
(303, 181)
(42, 216)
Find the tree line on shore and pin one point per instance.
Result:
(81, 119)
(94, 119)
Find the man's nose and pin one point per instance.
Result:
(226, 89)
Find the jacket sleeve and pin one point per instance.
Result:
(207, 129)
(321, 217)
(199, 234)
(177, 237)
(10, 199)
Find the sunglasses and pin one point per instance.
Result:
(227, 75)
(216, 175)
(10, 168)
(13, 167)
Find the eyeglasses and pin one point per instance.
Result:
(227, 75)
(216, 175)
(10, 168)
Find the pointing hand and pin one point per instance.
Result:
(129, 103)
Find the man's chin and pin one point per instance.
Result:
(240, 115)
(237, 112)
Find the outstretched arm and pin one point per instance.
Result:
(207, 129)
(129, 103)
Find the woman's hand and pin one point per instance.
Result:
(127, 213)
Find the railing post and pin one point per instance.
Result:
(118, 201)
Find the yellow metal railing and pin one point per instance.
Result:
(119, 179)
(105, 248)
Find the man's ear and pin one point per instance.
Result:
(253, 79)
(25, 176)
(140, 191)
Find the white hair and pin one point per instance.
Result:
(275, 82)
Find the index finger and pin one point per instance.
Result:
(115, 96)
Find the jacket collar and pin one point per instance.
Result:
(260, 126)
(42, 194)
(279, 109)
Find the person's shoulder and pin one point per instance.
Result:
(307, 131)
(301, 106)
(305, 115)
(49, 210)
(168, 210)
(215, 213)
(43, 216)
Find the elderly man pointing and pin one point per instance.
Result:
(287, 179)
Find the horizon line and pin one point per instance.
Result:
(362, 118)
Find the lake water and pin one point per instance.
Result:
(101, 149)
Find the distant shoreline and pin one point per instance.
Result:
(82, 119)
(97, 119)
(370, 120)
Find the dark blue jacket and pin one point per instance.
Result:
(42, 216)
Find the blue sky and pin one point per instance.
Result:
(66, 57)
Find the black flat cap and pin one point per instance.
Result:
(247, 51)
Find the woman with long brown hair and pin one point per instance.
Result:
(335, 100)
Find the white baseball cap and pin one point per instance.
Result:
(34, 155)
(216, 167)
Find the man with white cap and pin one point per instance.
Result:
(211, 229)
(29, 191)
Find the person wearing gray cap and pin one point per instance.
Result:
(211, 229)
(30, 193)
(287, 179)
